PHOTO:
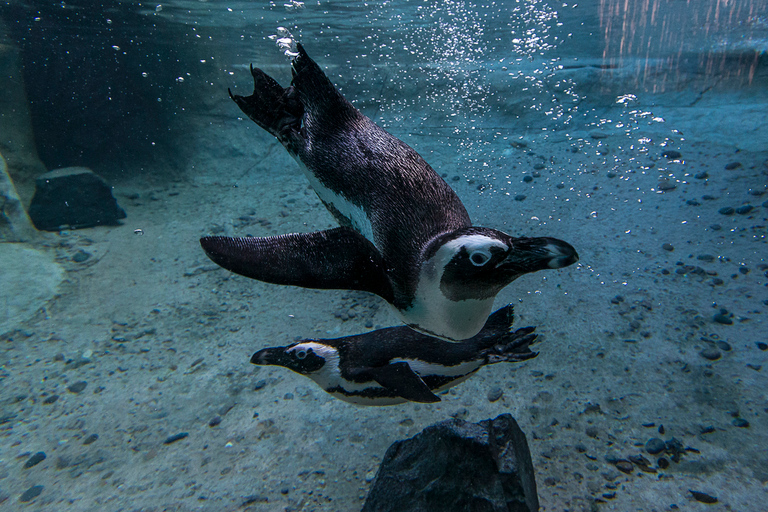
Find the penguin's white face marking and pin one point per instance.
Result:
(445, 315)
(357, 217)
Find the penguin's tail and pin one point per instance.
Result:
(276, 109)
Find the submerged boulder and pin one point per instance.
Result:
(73, 197)
(457, 466)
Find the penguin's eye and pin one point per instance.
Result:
(479, 258)
(301, 354)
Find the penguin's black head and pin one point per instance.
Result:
(478, 262)
(304, 357)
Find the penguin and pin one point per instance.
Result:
(404, 233)
(397, 364)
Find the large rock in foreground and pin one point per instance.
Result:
(73, 197)
(457, 466)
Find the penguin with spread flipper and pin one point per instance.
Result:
(404, 234)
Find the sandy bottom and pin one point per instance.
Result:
(147, 338)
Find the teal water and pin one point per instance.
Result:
(547, 118)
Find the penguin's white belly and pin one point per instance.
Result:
(354, 213)
(433, 312)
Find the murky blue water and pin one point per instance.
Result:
(636, 131)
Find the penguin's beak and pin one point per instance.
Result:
(275, 356)
(532, 254)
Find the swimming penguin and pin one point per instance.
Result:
(404, 234)
(397, 364)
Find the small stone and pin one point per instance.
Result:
(705, 257)
(671, 154)
(176, 437)
(495, 394)
(214, 421)
(726, 211)
(369, 476)
(761, 345)
(80, 256)
(51, 399)
(723, 345)
(740, 423)
(715, 227)
(662, 463)
(732, 165)
(745, 209)
(624, 466)
(260, 384)
(693, 202)
(722, 318)
(31, 493)
(703, 497)
(666, 185)
(527, 179)
(668, 247)
(701, 175)
(611, 174)
(77, 387)
(710, 353)
(654, 445)
(597, 134)
(34, 460)
(91, 439)
(520, 197)
(591, 431)
(288, 396)
(538, 166)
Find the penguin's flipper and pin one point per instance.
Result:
(339, 258)
(276, 109)
(404, 382)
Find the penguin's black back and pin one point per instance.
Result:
(406, 201)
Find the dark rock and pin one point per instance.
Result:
(701, 175)
(520, 197)
(74, 197)
(761, 345)
(671, 154)
(214, 421)
(624, 466)
(662, 463)
(726, 211)
(51, 399)
(654, 446)
(31, 493)
(703, 497)
(495, 394)
(710, 353)
(744, 209)
(668, 247)
(740, 423)
(80, 256)
(723, 345)
(34, 460)
(732, 165)
(77, 387)
(528, 179)
(91, 439)
(457, 466)
(176, 437)
(666, 185)
(722, 318)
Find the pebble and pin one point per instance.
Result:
(745, 209)
(539, 166)
(705, 257)
(715, 227)
(761, 345)
(722, 318)
(260, 384)
(662, 463)
(668, 247)
(671, 154)
(655, 445)
(624, 466)
(591, 431)
(520, 197)
(176, 437)
(528, 179)
(701, 176)
(495, 394)
(214, 421)
(77, 387)
(726, 211)
(732, 165)
(703, 497)
(740, 422)
(80, 256)
(666, 185)
(51, 399)
(34, 460)
(723, 345)
(31, 493)
(710, 353)
(91, 439)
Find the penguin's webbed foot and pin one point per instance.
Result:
(514, 347)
